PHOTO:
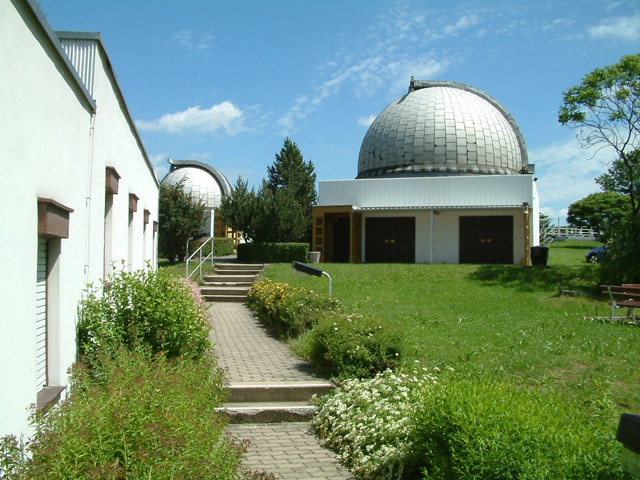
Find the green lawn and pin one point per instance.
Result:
(499, 321)
(179, 268)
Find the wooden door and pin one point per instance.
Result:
(486, 239)
(390, 240)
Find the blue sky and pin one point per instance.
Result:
(226, 82)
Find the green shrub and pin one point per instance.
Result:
(145, 418)
(350, 346)
(288, 310)
(620, 264)
(143, 307)
(12, 458)
(268, 252)
(221, 247)
(333, 341)
(475, 429)
(396, 426)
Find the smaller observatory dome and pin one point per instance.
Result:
(201, 181)
(442, 128)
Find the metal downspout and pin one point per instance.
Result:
(88, 200)
(432, 235)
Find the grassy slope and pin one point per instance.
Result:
(500, 321)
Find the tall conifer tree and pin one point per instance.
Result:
(291, 173)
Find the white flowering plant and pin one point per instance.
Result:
(457, 425)
(368, 424)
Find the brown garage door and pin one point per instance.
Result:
(486, 239)
(390, 240)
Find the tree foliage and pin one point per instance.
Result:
(622, 178)
(598, 210)
(180, 217)
(238, 208)
(280, 211)
(621, 263)
(605, 107)
(291, 173)
(265, 215)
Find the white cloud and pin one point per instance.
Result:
(463, 23)
(565, 174)
(366, 121)
(196, 44)
(620, 28)
(395, 46)
(223, 116)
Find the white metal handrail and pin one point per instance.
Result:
(201, 260)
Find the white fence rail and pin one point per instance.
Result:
(551, 232)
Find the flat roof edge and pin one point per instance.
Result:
(55, 42)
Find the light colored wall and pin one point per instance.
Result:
(50, 149)
(459, 191)
(116, 146)
(446, 236)
(44, 133)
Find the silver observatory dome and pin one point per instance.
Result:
(201, 181)
(442, 129)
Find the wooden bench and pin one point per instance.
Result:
(626, 295)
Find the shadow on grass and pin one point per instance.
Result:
(582, 278)
(575, 247)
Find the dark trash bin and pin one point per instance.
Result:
(539, 255)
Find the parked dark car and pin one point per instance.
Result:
(596, 255)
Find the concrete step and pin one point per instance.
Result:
(268, 412)
(228, 278)
(278, 391)
(223, 290)
(226, 272)
(239, 266)
(225, 298)
(227, 284)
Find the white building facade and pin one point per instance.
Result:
(443, 177)
(78, 192)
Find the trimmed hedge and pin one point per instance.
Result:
(222, 246)
(269, 252)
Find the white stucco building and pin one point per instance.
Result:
(443, 177)
(78, 193)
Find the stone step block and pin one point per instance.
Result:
(278, 391)
(268, 412)
(228, 278)
(223, 290)
(239, 266)
(225, 298)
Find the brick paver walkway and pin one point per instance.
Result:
(289, 451)
(250, 354)
(248, 351)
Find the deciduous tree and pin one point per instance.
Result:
(179, 218)
(598, 210)
(605, 107)
(622, 178)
